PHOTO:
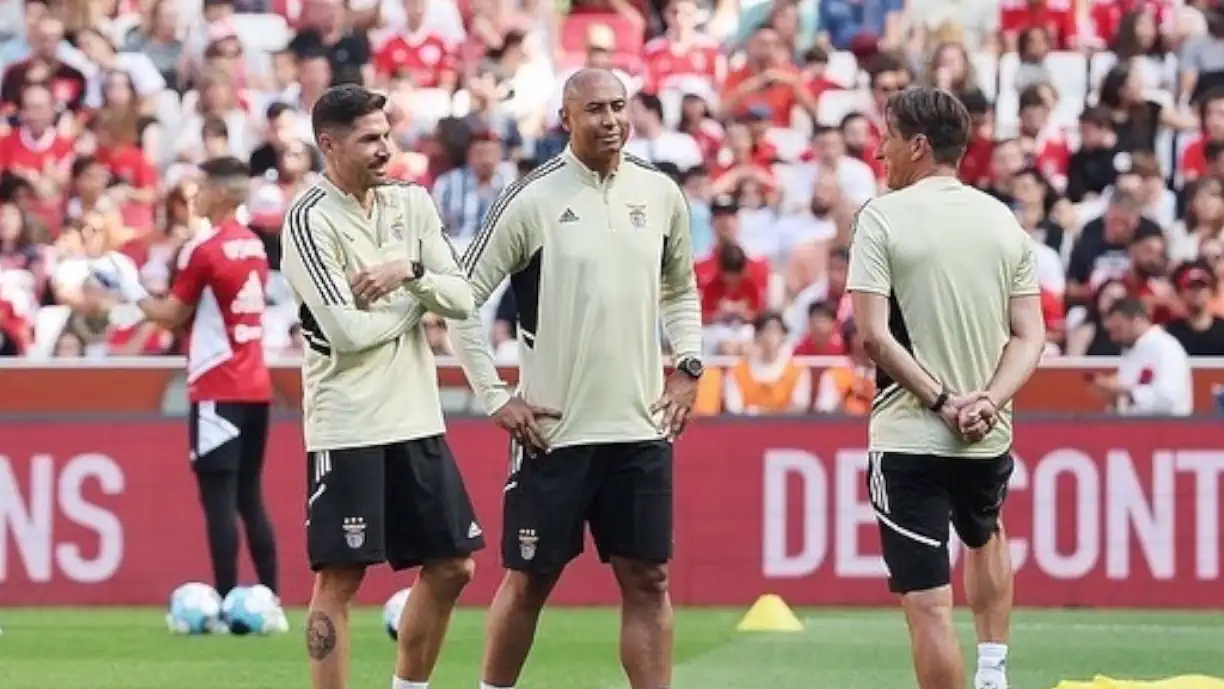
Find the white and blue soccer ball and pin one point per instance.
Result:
(393, 610)
(195, 608)
(253, 610)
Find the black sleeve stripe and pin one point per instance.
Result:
(640, 162)
(299, 233)
(478, 245)
(453, 251)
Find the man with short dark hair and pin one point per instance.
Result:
(218, 295)
(1101, 250)
(942, 274)
(366, 260)
(1154, 376)
(596, 245)
(282, 130)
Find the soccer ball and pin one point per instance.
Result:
(393, 610)
(195, 608)
(253, 610)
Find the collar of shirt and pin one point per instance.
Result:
(352, 202)
(587, 174)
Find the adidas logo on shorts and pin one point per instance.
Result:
(474, 530)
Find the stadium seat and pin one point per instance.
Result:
(789, 142)
(986, 73)
(574, 32)
(262, 32)
(843, 68)
(835, 105)
(1098, 67)
(1070, 78)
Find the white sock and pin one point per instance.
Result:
(992, 656)
(486, 685)
(397, 683)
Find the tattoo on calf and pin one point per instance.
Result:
(320, 635)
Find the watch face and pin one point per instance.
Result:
(418, 270)
(691, 367)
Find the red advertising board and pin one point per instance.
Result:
(1102, 513)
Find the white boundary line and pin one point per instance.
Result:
(845, 622)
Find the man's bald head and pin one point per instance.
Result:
(593, 103)
(589, 82)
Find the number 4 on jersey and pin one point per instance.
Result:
(250, 299)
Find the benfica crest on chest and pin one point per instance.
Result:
(637, 216)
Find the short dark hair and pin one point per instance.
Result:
(225, 167)
(1128, 307)
(651, 103)
(1097, 116)
(277, 109)
(340, 106)
(934, 114)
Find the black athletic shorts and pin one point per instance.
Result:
(228, 436)
(915, 497)
(402, 503)
(622, 490)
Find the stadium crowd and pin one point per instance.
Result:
(1101, 122)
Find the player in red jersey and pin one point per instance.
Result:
(218, 295)
(683, 54)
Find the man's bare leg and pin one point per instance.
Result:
(327, 625)
(426, 616)
(511, 628)
(646, 623)
(989, 586)
(936, 651)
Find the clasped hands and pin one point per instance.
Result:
(970, 416)
(375, 282)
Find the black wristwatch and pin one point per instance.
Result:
(940, 401)
(690, 367)
(418, 270)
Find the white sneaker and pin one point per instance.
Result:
(990, 678)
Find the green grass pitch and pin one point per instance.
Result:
(108, 648)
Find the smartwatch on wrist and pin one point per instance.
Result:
(418, 270)
(940, 401)
(690, 367)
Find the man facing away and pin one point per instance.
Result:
(366, 260)
(596, 245)
(944, 290)
(218, 295)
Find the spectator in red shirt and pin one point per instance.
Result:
(815, 74)
(1211, 118)
(133, 177)
(66, 84)
(417, 51)
(735, 293)
(1055, 16)
(36, 152)
(731, 287)
(1147, 278)
(1041, 139)
(823, 337)
(862, 142)
(975, 166)
(683, 55)
(767, 78)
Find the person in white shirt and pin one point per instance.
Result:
(1153, 377)
(854, 177)
(656, 143)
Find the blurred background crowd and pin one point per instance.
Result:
(1101, 122)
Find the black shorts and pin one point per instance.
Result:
(915, 497)
(228, 436)
(402, 503)
(622, 490)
